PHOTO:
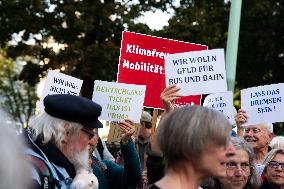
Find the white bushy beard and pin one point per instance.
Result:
(80, 160)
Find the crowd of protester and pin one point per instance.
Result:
(191, 148)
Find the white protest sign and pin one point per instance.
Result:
(197, 72)
(119, 100)
(263, 104)
(59, 83)
(222, 102)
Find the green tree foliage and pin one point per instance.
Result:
(261, 43)
(19, 97)
(202, 22)
(261, 46)
(88, 31)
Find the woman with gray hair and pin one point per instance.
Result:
(195, 143)
(241, 173)
(274, 170)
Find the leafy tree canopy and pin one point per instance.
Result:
(88, 32)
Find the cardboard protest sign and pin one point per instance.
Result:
(222, 102)
(198, 72)
(59, 83)
(119, 100)
(142, 62)
(115, 133)
(263, 104)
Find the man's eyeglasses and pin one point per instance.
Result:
(90, 134)
(146, 124)
(276, 164)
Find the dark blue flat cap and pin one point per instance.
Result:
(73, 108)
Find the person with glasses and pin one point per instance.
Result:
(60, 139)
(274, 170)
(142, 144)
(240, 168)
(144, 134)
(258, 136)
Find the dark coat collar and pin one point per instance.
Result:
(55, 156)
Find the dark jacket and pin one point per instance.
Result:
(113, 176)
(266, 185)
(155, 166)
(50, 167)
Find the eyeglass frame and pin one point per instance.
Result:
(91, 134)
(276, 163)
(244, 167)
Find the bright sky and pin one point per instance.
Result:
(155, 20)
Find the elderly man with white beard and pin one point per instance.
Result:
(60, 139)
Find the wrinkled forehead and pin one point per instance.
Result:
(239, 155)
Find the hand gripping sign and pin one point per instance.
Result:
(263, 104)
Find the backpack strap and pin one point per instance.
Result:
(42, 171)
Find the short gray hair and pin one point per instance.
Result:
(184, 133)
(277, 142)
(46, 128)
(241, 144)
